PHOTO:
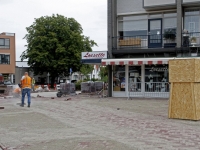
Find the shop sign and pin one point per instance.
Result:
(161, 69)
(94, 55)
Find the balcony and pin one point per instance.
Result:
(142, 42)
(155, 43)
(191, 39)
(191, 43)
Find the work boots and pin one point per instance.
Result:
(28, 105)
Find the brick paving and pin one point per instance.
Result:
(92, 123)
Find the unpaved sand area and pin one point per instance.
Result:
(91, 123)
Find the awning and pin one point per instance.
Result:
(91, 61)
(135, 61)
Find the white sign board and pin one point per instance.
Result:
(94, 55)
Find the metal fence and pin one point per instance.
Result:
(93, 88)
(149, 89)
(167, 40)
(68, 88)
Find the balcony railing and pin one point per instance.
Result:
(155, 41)
(145, 41)
(191, 39)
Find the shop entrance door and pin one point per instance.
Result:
(135, 81)
(154, 33)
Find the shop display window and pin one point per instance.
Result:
(156, 78)
(119, 78)
(135, 78)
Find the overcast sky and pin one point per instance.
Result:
(16, 15)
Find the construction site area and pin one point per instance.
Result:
(90, 122)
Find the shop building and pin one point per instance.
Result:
(143, 35)
(7, 56)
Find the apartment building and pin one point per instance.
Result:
(143, 35)
(7, 56)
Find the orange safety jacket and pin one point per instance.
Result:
(26, 82)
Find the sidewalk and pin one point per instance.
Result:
(93, 123)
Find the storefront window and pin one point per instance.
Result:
(119, 78)
(135, 78)
(156, 78)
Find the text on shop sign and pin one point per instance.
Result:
(94, 55)
(158, 69)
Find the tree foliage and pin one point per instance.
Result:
(104, 73)
(54, 45)
(86, 69)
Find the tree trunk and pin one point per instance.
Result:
(52, 81)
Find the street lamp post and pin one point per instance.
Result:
(70, 77)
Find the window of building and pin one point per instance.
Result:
(169, 29)
(135, 78)
(191, 22)
(4, 43)
(192, 12)
(119, 78)
(133, 26)
(137, 25)
(170, 24)
(4, 59)
(156, 78)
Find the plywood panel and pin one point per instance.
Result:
(197, 70)
(182, 70)
(182, 102)
(197, 99)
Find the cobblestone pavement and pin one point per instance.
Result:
(91, 123)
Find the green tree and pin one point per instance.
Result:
(54, 45)
(104, 73)
(86, 69)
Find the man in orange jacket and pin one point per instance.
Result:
(26, 88)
